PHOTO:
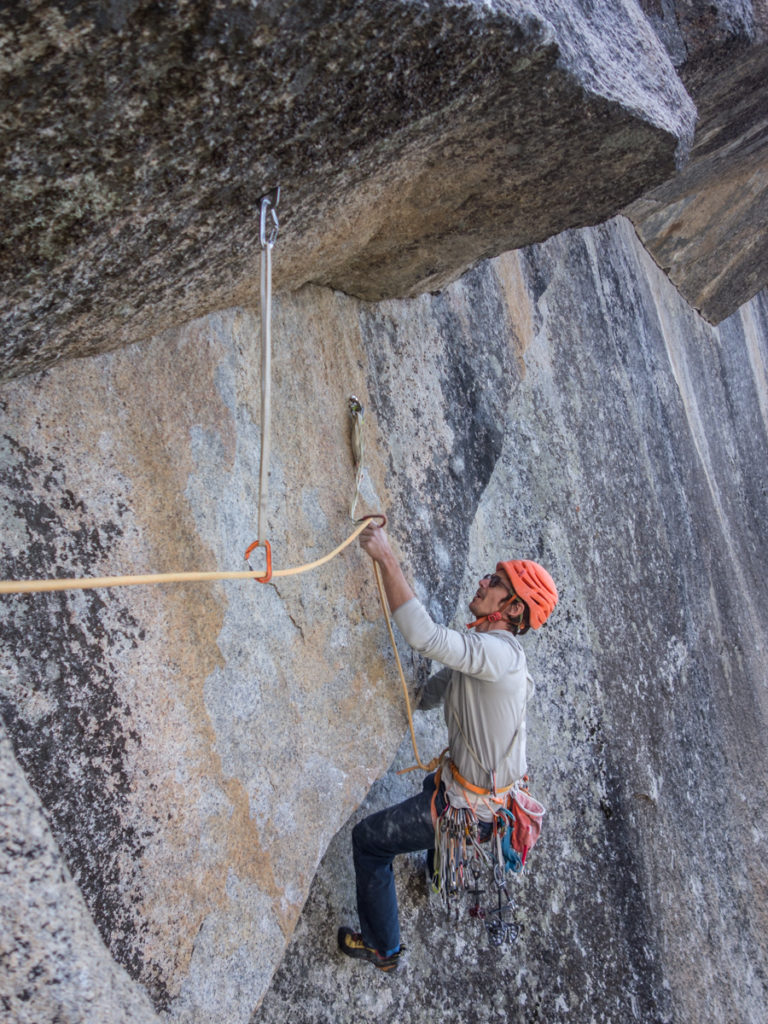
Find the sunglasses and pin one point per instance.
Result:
(497, 581)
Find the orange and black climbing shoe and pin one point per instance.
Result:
(351, 943)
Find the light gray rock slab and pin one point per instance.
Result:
(196, 750)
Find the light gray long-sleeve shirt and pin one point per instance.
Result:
(485, 686)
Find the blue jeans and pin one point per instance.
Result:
(376, 840)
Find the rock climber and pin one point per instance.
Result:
(485, 687)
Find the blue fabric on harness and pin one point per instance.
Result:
(512, 858)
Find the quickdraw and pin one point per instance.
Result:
(267, 238)
(358, 448)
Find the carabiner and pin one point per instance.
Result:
(269, 204)
(268, 549)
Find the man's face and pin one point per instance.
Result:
(492, 591)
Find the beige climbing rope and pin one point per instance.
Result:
(430, 767)
(44, 586)
(358, 454)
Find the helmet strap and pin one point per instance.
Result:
(497, 616)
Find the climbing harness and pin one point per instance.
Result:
(465, 853)
(468, 850)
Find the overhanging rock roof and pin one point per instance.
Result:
(411, 139)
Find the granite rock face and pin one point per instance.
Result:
(708, 226)
(55, 966)
(197, 748)
(634, 466)
(181, 758)
(411, 139)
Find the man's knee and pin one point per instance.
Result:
(375, 838)
(362, 836)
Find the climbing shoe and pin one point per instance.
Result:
(351, 943)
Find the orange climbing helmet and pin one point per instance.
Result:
(535, 586)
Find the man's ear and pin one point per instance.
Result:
(516, 609)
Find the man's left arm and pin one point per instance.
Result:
(374, 541)
(434, 689)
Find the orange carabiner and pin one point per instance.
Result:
(268, 549)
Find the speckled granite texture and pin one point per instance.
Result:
(196, 749)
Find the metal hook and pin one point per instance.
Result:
(355, 406)
(269, 203)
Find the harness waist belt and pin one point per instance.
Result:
(465, 784)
